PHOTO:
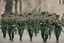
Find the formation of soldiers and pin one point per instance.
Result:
(43, 22)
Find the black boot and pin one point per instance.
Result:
(35, 34)
(30, 39)
(49, 36)
(20, 39)
(10, 38)
(57, 40)
(4, 37)
(45, 40)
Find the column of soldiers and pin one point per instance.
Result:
(45, 23)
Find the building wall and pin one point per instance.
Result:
(43, 5)
(54, 6)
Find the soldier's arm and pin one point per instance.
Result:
(60, 23)
(62, 30)
(14, 22)
(0, 24)
(62, 18)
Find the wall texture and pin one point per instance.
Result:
(43, 5)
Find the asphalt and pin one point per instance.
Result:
(26, 38)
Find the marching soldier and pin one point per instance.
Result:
(4, 24)
(36, 25)
(50, 25)
(57, 28)
(11, 26)
(16, 19)
(44, 29)
(30, 28)
(21, 26)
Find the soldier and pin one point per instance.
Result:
(11, 26)
(58, 28)
(16, 19)
(21, 26)
(30, 28)
(49, 25)
(44, 29)
(62, 19)
(36, 25)
(4, 25)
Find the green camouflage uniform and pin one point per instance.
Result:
(62, 19)
(50, 26)
(21, 27)
(4, 26)
(57, 29)
(16, 19)
(30, 28)
(11, 28)
(44, 29)
(36, 25)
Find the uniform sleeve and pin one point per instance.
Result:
(0, 21)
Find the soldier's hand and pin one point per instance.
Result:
(63, 31)
(0, 26)
(40, 23)
(45, 23)
(13, 25)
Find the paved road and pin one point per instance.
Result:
(37, 39)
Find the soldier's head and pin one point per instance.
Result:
(43, 14)
(49, 16)
(34, 16)
(21, 16)
(57, 17)
(29, 15)
(16, 15)
(11, 15)
(54, 15)
(3, 15)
